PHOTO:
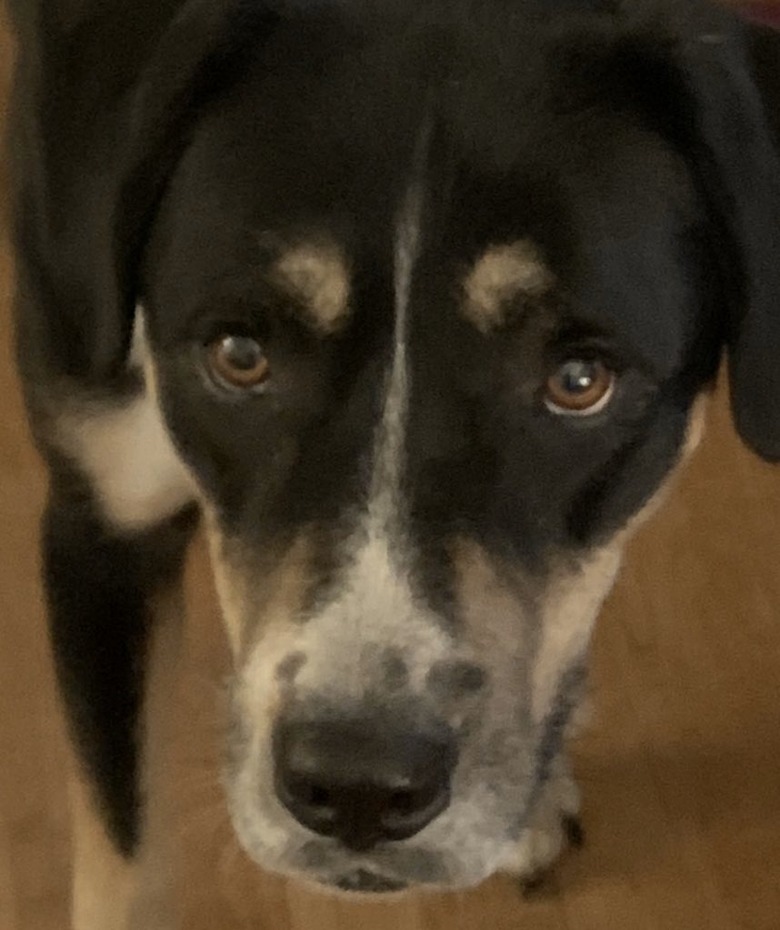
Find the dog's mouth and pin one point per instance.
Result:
(364, 882)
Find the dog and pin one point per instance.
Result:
(413, 304)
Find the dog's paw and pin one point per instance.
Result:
(540, 847)
(539, 852)
(554, 826)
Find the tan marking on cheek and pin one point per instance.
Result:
(502, 273)
(317, 275)
(694, 434)
(255, 596)
(229, 585)
(261, 611)
(575, 600)
(492, 612)
(571, 605)
(697, 424)
(496, 632)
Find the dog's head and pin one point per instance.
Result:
(431, 290)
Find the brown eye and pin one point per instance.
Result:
(579, 387)
(238, 361)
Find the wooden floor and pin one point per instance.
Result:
(681, 771)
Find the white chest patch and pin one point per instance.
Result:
(126, 453)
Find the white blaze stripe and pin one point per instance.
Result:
(376, 601)
(384, 499)
(375, 606)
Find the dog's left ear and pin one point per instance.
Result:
(737, 161)
(105, 103)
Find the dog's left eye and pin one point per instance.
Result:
(238, 362)
(579, 387)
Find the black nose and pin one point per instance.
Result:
(362, 782)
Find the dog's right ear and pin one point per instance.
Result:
(738, 162)
(696, 73)
(102, 108)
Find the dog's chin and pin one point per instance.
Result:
(362, 883)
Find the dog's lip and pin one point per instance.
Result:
(367, 882)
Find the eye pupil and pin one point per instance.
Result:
(580, 387)
(238, 361)
(577, 376)
(243, 353)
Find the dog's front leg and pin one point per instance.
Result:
(554, 820)
(114, 615)
(554, 824)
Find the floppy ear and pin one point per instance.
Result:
(102, 108)
(738, 164)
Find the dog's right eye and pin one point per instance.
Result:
(238, 362)
(579, 387)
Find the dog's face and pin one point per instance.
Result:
(428, 311)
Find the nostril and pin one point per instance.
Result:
(408, 810)
(319, 796)
(409, 801)
(403, 802)
(310, 793)
(313, 803)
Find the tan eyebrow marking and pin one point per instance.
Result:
(318, 276)
(503, 272)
